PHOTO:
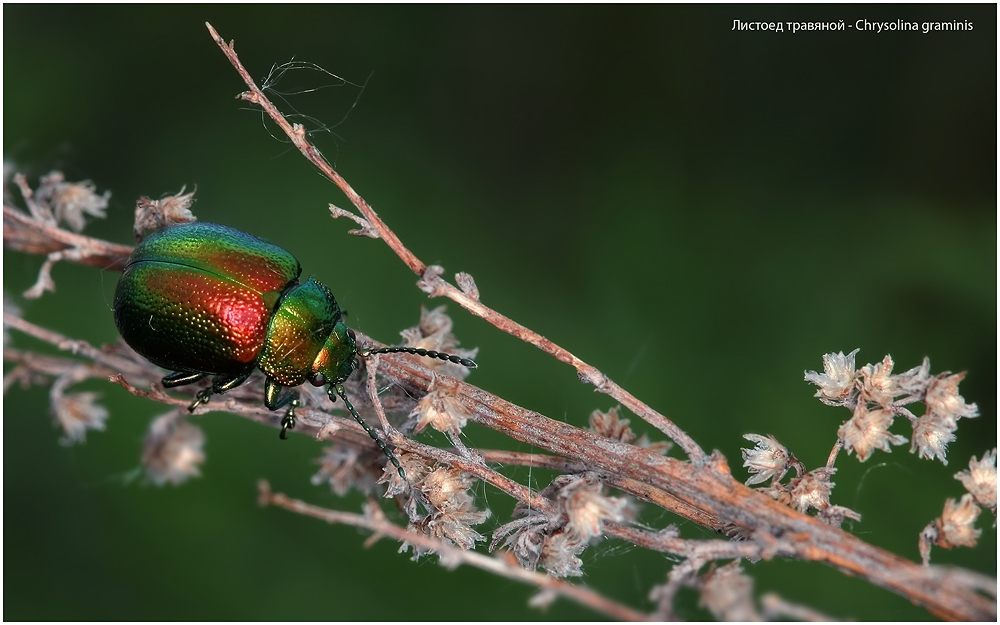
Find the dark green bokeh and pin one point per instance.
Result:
(698, 212)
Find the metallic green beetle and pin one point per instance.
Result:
(208, 300)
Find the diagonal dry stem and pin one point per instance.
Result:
(436, 286)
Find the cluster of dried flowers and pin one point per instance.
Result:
(871, 393)
(439, 499)
(876, 397)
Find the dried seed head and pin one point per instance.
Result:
(416, 468)
(588, 509)
(836, 383)
(446, 488)
(812, 490)
(914, 381)
(956, 525)
(868, 430)
(943, 398)
(931, 435)
(452, 511)
(876, 384)
(559, 554)
(344, 467)
(727, 593)
(157, 214)
(173, 449)
(981, 480)
(526, 545)
(554, 541)
(836, 515)
(71, 201)
(441, 410)
(76, 413)
(768, 459)
(609, 425)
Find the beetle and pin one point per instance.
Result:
(203, 299)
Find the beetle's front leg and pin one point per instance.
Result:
(273, 399)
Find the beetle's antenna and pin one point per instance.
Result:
(419, 351)
(339, 388)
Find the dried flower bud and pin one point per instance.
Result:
(954, 528)
(836, 515)
(868, 430)
(943, 398)
(467, 284)
(812, 490)
(727, 593)
(588, 509)
(768, 459)
(981, 480)
(416, 467)
(914, 381)
(173, 449)
(441, 410)
(555, 541)
(836, 383)
(877, 385)
(157, 214)
(453, 511)
(76, 413)
(71, 201)
(609, 425)
(344, 467)
(446, 488)
(559, 554)
(931, 435)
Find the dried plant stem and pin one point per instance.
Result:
(431, 278)
(25, 233)
(714, 493)
(702, 491)
(706, 495)
(453, 556)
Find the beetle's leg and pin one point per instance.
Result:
(273, 399)
(220, 384)
(200, 398)
(180, 378)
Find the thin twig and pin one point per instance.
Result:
(25, 233)
(453, 556)
(431, 276)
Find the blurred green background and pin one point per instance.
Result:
(698, 212)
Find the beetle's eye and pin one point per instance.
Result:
(350, 333)
(318, 380)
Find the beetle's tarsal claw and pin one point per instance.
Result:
(288, 421)
(201, 398)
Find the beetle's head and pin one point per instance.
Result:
(338, 358)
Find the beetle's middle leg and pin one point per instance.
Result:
(220, 384)
(273, 399)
